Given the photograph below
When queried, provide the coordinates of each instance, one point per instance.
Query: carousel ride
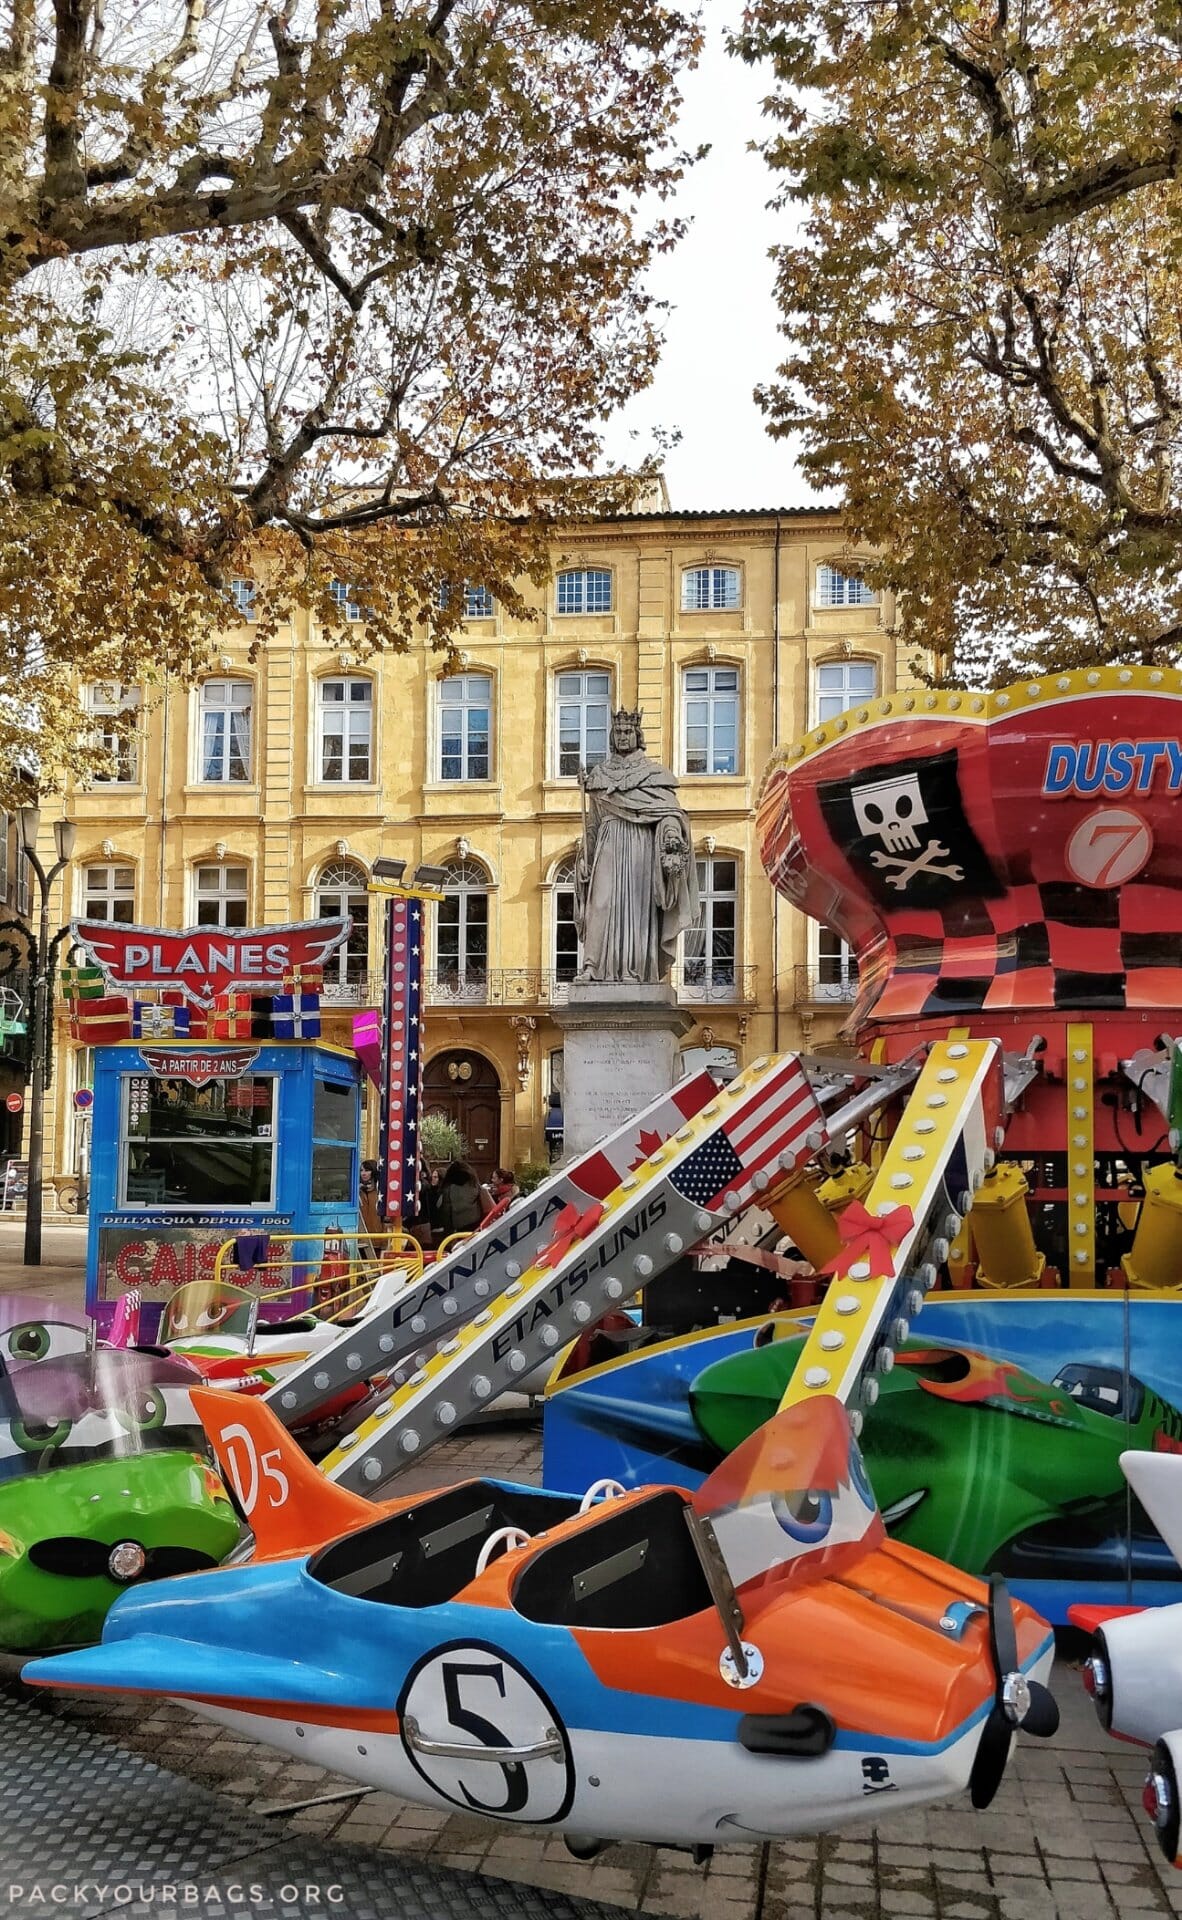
(995, 1147)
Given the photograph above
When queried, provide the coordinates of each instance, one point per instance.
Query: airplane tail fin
(289, 1505)
(125, 1322)
(792, 1503)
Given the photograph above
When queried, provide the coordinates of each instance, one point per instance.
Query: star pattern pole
(402, 1059)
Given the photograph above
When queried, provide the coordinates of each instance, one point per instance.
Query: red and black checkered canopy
(993, 853)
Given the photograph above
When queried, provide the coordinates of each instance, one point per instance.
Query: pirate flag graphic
(903, 829)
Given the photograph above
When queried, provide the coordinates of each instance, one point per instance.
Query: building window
(837, 970)
(568, 948)
(346, 730)
(584, 718)
(226, 707)
(461, 926)
(108, 893)
(842, 684)
(585, 590)
(836, 589)
(24, 884)
(221, 896)
(5, 825)
(710, 589)
(711, 699)
(708, 961)
(478, 601)
(465, 721)
(344, 592)
(114, 712)
(340, 890)
(242, 594)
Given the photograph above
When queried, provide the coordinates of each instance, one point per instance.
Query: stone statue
(636, 880)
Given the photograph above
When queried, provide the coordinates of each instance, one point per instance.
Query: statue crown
(631, 717)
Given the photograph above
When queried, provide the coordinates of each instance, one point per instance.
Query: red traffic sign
(83, 1099)
(14, 1102)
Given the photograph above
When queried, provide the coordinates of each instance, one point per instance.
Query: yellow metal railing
(295, 1261)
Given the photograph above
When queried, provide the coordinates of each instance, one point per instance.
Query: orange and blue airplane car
(748, 1661)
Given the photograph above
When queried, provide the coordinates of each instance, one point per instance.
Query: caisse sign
(207, 961)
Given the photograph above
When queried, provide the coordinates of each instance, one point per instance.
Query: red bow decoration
(870, 1236)
(571, 1225)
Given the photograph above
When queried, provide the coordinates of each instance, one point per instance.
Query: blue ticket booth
(195, 1144)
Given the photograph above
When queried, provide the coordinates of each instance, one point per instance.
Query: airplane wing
(1156, 1479)
(158, 1663)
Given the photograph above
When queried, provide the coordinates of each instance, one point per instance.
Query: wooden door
(465, 1089)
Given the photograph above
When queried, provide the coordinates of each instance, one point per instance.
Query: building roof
(824, 507)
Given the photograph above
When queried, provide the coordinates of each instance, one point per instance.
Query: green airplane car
(105, 1482)
(1017, 1492)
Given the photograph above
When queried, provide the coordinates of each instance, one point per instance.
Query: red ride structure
(1009, 865)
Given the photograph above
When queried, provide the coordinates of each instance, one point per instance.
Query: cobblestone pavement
(1064, 1840)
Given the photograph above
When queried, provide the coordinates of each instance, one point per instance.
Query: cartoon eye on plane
(33, 1329)
(758, 1647)
(104, 1482)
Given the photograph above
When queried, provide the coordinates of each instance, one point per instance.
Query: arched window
(711, 590)
(836, 589)
(842, 684)
(708, 961)
(567, 947)
(584, 590)
(461, 929)
(340, 890)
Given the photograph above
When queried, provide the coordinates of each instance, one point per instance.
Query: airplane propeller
(1019, 1702)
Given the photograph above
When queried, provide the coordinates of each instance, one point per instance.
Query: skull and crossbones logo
(890, 811)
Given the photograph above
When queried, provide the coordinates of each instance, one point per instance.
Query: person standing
(463, 1200)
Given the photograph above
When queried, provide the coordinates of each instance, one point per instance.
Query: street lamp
(63, 840)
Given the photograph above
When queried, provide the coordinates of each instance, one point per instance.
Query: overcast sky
(721, 337)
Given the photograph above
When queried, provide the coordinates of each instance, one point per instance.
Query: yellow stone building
(265, 792)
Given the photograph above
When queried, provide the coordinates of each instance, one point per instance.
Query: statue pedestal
(619, 1052)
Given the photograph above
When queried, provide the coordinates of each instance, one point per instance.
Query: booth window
(334, 1139)
(190, 1146)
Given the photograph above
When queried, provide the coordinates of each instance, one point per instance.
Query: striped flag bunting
(773, 1120)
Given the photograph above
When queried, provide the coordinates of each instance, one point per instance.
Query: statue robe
(629, 910)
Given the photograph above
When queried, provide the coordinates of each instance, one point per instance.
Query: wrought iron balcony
(718, 983)
(826, 986)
